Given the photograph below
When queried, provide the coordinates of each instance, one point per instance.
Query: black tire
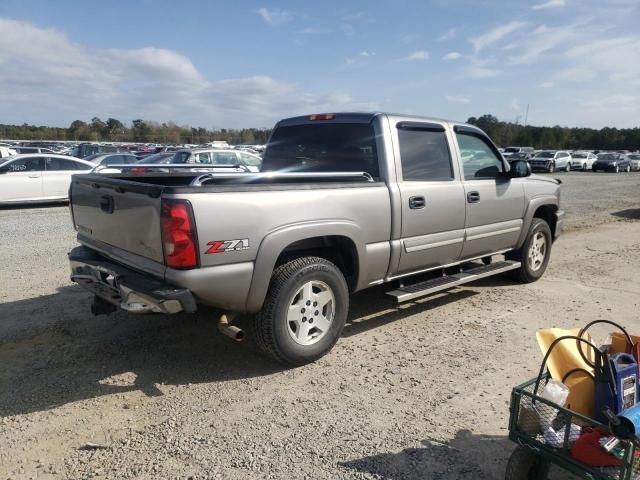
(526, 273)
(584, 167)
(523, 464)
(552, 167)
(270, 324)
(568, 167)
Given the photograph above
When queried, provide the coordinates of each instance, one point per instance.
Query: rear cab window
(424, 152)
(323, 147)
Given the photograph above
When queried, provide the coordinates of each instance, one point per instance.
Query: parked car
(83, 150)
(26, 150)
(634, 161)
(106, 159)
(510, 151)
(216, 156)
(162, 157)
(582, 160)
(344, 202)
(38, 178)
(7, 152)
(550, 161)
(612, 162)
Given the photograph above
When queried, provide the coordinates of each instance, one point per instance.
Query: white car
(582, 160)
(213, 156)
(7, 152)
(36, 177)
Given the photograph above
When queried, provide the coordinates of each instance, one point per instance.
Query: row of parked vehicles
(36, 174)
(558, 160)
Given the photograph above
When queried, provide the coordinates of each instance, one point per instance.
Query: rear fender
(278, 240)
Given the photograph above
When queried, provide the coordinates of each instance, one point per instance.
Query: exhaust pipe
(229, 330)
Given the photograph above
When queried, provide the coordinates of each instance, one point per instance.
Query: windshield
(634, 157)
(607, 156)
(157, 158)
(545, 154)
(579, 155)
(322, 147)
(92, 157)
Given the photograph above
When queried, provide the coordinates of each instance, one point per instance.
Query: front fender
(274, 243)
(532, 206)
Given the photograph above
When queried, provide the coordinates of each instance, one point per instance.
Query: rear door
(57, 176)
(432, 197)
(23, 181)
(494, 203)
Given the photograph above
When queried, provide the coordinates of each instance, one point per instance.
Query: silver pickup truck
(343, 202)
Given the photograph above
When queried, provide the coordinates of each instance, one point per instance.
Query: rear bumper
(125, 288)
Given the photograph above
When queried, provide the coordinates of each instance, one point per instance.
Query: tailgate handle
(106, 203)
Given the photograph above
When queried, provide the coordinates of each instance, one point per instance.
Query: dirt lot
(416, 392)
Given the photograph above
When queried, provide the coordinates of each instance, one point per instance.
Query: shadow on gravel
(65, 354)
(629, 213)
(466, 456)
(53, 351)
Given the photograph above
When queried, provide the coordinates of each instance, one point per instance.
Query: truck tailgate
(122, 214)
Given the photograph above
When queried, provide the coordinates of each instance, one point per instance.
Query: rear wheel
(534, 254)
(304, 312)
(525, 465)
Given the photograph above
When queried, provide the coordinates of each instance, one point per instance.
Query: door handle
(34, 176)
(473, 197)
(417, 203)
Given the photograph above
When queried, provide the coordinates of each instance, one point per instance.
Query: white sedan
(38, 177)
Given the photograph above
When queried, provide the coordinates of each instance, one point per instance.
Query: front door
(432, 198)
(23, 180)
(494, 203)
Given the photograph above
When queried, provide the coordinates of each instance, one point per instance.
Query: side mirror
(519, 169)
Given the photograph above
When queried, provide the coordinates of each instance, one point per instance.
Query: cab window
(33, 164)
(479, 160)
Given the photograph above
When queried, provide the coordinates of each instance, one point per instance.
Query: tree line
(144, 131)
(139, 131)
(607, 138)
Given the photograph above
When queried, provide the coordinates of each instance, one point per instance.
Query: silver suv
(550, 161)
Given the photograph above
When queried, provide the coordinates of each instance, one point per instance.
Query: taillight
(179, 234)
(323, 116)
(138, 170)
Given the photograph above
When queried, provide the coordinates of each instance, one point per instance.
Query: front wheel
(305, 311)
(628, 168)
(525, 465)
(617, 168)
(534, 254)
(552, 167)
(584, 167)
(568, 167)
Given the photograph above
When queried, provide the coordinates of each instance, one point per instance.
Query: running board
(439, 284)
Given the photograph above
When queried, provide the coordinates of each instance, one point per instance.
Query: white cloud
(449, 35)
(515, 105)
(366, 53)
(314, 31)
(457, 99)
(452, 56)
(546, 85)
(419, 55)
(275, 16)
(360, 18)
(549, 4)
(492, 36)
(46, 78)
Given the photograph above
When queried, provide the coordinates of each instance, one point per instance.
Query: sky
(220, 64)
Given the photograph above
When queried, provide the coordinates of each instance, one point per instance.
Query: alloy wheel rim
(537, 251)
(311, 312)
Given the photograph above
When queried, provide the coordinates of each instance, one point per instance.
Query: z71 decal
(224, 246)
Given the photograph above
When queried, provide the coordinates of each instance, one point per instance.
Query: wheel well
(337, 249)
(548, 214)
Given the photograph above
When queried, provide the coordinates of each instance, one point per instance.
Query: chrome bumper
(125, 288)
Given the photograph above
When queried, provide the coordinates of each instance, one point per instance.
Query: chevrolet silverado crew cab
(343, 202)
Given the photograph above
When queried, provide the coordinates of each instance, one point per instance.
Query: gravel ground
(419, 391)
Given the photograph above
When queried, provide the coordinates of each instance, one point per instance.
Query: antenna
(526, 116)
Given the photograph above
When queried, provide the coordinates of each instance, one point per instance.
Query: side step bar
(417, 290)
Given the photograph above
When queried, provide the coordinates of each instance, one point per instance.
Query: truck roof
(357, 117)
